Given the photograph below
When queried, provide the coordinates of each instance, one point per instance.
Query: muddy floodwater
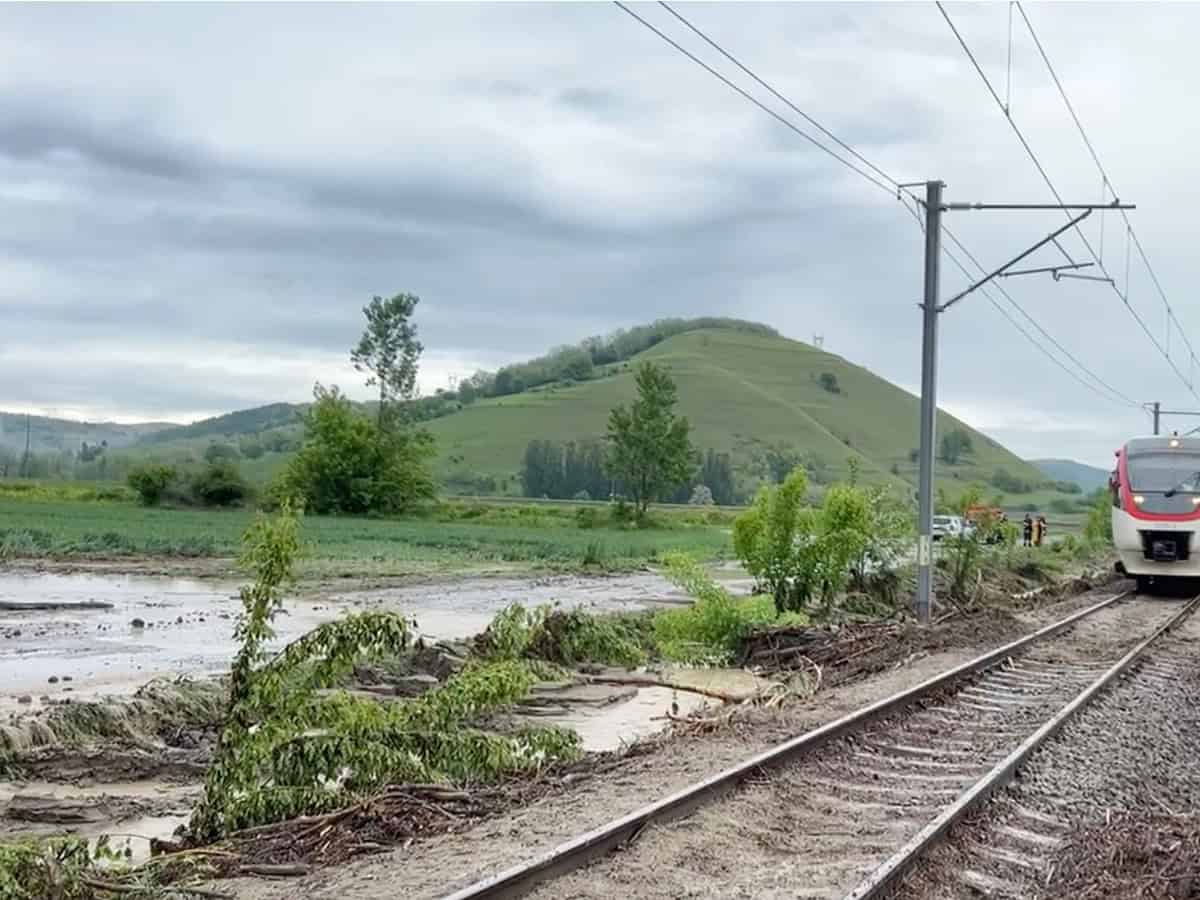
(115, 632)
(83, 636)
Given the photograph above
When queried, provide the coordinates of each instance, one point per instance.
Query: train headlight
(1173, 442)
(1139, 499)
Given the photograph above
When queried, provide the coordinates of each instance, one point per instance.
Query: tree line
(573, 470)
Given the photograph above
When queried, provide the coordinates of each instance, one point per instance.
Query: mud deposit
(99, 636)
(156, 626)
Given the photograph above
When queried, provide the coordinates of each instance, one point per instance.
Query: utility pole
(25, 467)
(1158, 412)
(930, 309)
(929, 324)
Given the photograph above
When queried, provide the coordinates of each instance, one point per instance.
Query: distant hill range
(749, 392)
(1087, 477)
(48, 435)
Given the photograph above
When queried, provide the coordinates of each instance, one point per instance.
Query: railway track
(895, 774)
(1133, 751)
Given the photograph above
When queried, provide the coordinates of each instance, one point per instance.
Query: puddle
(172, 803)
(608, 727)
(188, 623)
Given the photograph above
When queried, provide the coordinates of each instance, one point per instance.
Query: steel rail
(578, 851)
(883, 879)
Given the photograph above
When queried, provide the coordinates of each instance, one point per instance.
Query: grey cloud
(536, 173)
(41, 133)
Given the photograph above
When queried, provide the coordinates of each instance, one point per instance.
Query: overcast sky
(198, 200)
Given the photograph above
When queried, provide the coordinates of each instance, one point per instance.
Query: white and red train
(1156, 509)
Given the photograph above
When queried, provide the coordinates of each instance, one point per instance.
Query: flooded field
(111, 633)
(101, 634)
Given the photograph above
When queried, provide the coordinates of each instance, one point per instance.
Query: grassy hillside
(742, 393)
(747, 391)
(1087, 477)
(244, 421)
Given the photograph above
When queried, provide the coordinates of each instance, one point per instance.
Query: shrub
(349, 465)
(712, 628)
(701, 496)
(1097, 532)
(829, 382)
(563, 637)
(251, 448)
(219, 484)
(151, 482)
(587, 517)
(798, 552)
(1003, 480)
(220, 452)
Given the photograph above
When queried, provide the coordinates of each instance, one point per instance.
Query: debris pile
(1133, 856)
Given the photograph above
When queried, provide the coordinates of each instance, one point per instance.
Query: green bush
(711, 629)
(1097, 532)
(349, 464)
(799, 552)
(151, 482)
(562, 637)
(219, 484)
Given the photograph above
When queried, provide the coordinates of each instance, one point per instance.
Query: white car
(951, 526)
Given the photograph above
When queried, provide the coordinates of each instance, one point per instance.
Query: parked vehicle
(951, 526)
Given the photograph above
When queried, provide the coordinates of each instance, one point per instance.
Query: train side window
(1114, 488)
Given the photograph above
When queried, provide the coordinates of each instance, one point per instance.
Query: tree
(219, 484)
(251, 447)
(717, 474)
(388, 351)
(348, 465)
(649, 447)
(829, 382)
(215, 453)
(151, 481)
(701, 496)
(954, 446)
(800, 552)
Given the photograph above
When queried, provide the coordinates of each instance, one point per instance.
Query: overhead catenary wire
(1099, 388)
(1106, 182)
(1104, 390)
(748, 96)
(1053, 190)
(778, 96)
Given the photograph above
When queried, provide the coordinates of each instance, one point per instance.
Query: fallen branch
(282, 871)
(647, 681)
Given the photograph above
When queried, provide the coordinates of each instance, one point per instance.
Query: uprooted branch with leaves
(292, 747)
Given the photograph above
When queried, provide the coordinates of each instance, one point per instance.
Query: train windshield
(1161, 472)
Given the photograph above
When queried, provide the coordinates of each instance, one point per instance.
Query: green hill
(244, 421)
(1087, 477)
(743, 393)
(765, 400)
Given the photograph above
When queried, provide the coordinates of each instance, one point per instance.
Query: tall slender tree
(649, 447)
(388, 352)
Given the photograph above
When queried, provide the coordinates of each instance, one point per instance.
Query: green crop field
(453, 536)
